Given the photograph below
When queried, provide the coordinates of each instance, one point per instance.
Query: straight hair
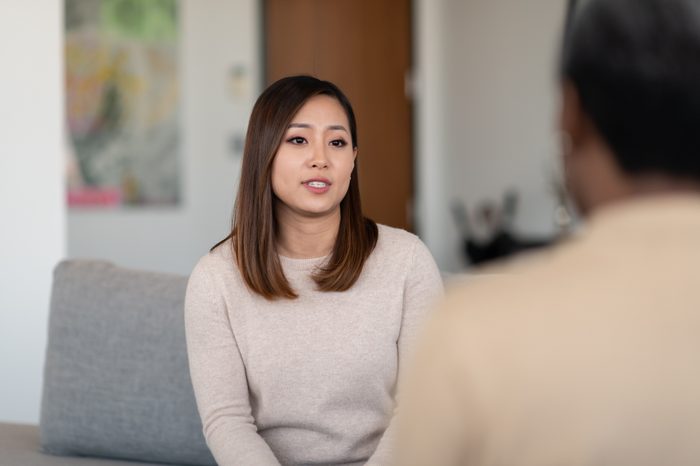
(254, 227)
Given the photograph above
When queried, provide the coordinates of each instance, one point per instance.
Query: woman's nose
(318, 157)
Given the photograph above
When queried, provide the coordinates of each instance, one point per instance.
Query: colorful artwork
(122, 102)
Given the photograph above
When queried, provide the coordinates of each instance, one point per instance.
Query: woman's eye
(296, 140)
(338, 143)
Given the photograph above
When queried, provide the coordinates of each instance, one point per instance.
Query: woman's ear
(354, 154)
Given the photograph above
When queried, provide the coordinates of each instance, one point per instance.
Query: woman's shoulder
(217, 257)
(397, 238)
(218, 262)
(400, 253)
(397, 242)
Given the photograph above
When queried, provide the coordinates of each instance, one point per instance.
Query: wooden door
(363, 46)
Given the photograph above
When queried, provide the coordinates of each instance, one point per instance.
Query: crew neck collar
(302, 264)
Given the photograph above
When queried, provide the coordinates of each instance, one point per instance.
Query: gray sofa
(116, 383)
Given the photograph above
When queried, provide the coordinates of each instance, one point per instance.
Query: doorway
(363, 46)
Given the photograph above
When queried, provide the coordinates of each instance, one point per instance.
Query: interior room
(479, 87)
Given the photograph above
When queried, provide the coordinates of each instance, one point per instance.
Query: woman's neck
(301, 237)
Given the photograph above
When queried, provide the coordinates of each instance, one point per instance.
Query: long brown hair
(253, 237)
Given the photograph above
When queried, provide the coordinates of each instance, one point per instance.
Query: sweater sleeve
(219, 379)
(423, 288)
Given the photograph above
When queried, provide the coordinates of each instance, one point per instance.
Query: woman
(299, 322)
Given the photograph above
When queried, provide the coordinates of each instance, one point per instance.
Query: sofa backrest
(116, 380)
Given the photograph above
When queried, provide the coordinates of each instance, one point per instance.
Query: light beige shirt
(585, 355)
(311, 380)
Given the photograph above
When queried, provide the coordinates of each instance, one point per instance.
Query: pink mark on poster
(87, 197)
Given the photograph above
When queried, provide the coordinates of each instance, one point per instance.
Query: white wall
(486, 118)
(32, 236)
(217, 35)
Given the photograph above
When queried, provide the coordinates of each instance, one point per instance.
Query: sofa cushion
(116, 380)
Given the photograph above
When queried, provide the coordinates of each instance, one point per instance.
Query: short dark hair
(636, 67)
(254, 226)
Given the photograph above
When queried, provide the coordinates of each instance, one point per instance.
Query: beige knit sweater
(312, 380)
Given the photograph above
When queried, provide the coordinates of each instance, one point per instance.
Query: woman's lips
(317, 186)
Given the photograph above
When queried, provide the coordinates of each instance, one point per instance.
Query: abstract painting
(122, 102)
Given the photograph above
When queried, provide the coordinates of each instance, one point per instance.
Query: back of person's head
(635, 65)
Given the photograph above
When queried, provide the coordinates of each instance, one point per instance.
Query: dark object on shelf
(502, 242)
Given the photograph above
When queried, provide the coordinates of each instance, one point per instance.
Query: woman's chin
(320, 212)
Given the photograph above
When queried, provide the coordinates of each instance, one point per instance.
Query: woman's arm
(219, 379)
(422, 290)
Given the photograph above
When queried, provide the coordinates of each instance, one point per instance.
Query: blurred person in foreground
(588, 353)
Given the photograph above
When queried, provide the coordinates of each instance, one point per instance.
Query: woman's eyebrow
(306, 125)
(339, 127)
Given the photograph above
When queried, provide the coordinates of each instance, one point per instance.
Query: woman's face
(311, 169)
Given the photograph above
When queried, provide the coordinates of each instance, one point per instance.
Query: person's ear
(572, 122)
(354, 154)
